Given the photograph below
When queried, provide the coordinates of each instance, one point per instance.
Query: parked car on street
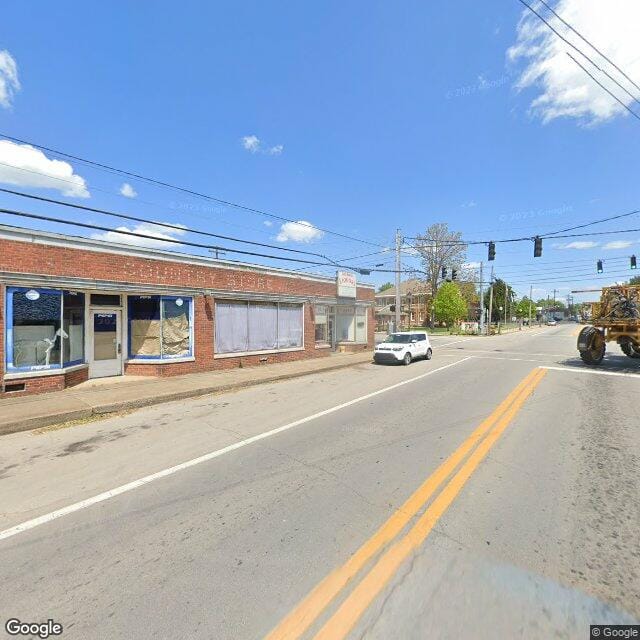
(551, 323)
(404, 346)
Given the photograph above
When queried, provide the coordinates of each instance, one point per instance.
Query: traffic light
(444, 273)
(454, 274)
(492, 251)
(537, 247)
(600, 269)
(634, 265)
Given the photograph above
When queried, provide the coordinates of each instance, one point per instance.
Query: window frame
(246, 304)
(9, 327)
(162, 356)
(360, 312)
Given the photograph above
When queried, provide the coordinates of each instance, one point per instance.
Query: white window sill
(323, 345)
(159, 361)
(255, 353)
(21, 375)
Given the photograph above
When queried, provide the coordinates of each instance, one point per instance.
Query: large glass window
(73, 327)
(242, 327)
(263, 326)
(346, 322)
(289, 326)
(176, 327)
(159, 327)
(361, 324)
(45, 328)
(321, 321)
(351, 324)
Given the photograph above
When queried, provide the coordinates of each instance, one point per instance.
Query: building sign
(346, 284)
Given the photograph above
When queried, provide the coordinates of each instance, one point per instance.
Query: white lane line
(101, 497)
(446, 344)
(501, 352)
(509, 359)
(598, 373)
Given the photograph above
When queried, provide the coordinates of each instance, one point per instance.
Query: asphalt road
(480, 494)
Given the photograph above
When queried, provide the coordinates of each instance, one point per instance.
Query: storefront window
(176, 327)
(45, 328)
(289, 326)
(73, 327)
(346, 322)
(351, 324)
(159, 327)
(361, 324)
(322, 326)
(263, 326)
(242, 327)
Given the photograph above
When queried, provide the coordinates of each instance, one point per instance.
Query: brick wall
(39, 259)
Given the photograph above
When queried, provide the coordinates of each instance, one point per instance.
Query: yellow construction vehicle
(615, 318)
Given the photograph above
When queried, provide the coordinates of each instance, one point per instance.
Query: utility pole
(481, 331)
(506, 301)
(490, 302)
(530, 302)
(398, 297)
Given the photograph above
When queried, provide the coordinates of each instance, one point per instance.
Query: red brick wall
(24, 257)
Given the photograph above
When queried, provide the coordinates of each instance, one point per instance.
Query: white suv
(404, 347)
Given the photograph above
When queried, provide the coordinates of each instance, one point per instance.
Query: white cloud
(618, 244)
(146, 228)
(300, 231)
(128, 191)
(471, 265)
(9, 82)
(268, 223)
(253, 144)
(578, 244)
(469, 205)
(565, 89)
(25, 166)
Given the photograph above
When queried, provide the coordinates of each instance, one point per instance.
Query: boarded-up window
(159, 327)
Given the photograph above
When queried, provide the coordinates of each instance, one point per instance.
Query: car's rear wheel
(407, 359)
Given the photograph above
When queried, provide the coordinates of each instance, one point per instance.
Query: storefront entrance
(105, 358)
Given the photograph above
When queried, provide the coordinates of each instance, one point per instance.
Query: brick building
(75, 308)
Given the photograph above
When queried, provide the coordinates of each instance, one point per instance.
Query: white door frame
(104, 368)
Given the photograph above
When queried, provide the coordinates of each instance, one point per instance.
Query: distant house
(414, 309)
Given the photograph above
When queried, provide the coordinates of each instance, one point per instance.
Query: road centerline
(307, 611)
(357, 602)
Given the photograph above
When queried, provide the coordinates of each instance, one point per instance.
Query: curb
(38, 422)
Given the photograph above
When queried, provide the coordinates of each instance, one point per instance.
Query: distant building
(415, 296)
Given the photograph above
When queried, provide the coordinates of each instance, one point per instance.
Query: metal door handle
(119, 348)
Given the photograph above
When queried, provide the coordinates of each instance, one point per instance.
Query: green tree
(635, 280)
(522, 308)
(385, 286)
(449, 306)
(503, 295)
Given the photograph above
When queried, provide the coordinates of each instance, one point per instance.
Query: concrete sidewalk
(97, 397)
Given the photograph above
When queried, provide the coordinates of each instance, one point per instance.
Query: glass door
(106, 354)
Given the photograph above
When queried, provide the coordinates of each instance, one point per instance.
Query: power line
(84, 225)
(191, 192)
(166, 225)
(611, 62)
(633, 113)
(584, 55)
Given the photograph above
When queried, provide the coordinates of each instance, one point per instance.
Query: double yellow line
(363, 594)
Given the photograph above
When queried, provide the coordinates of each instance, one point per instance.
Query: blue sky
(356, 117)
